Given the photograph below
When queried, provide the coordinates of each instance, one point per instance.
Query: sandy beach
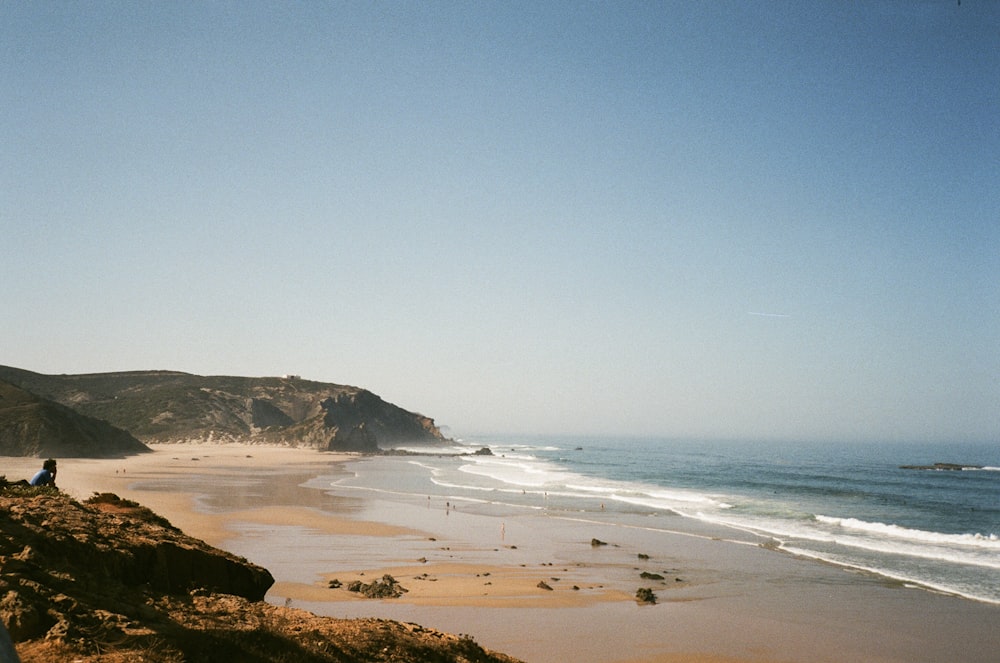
(481, 575)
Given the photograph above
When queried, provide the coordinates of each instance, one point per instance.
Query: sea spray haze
(849, 504)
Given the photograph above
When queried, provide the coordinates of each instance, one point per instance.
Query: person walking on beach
(45, 476)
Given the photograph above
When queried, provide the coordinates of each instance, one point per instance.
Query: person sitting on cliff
(45, 476)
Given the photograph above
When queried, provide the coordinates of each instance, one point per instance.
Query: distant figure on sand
(45, 476)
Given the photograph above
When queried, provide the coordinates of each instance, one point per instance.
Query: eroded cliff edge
(108, 580)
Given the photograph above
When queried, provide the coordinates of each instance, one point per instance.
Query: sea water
(846, 504)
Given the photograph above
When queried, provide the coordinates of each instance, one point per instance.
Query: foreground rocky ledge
(108, 580)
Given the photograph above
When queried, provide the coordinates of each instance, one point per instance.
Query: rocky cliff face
(34, 426)
(108, 581)
(164, 406)
(63, 560)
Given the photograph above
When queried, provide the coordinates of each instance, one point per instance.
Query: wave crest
(991, 541)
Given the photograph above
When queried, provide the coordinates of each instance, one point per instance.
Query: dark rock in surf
(949, 467)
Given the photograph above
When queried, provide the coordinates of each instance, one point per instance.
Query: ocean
(847, 504)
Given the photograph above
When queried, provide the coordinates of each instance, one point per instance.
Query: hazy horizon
(777, 220)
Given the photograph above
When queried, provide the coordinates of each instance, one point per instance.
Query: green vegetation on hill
(168, 406)
(34, 426)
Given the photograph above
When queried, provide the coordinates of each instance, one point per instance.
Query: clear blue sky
(720, 219)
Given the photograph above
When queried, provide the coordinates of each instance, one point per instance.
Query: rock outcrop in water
(950, 467)
(166, 406)
(108, 581)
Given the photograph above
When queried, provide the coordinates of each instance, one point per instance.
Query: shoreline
(479, 574)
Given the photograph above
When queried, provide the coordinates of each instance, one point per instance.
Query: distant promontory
(170, 406)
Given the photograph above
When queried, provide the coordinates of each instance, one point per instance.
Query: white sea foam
(599, 489)
(987, 541)
(518, 472)
(677, 502)
(516, 477)
(543, 477)
(529, 472)
(806, 534)
(461, 486)
(779, 529)
(642, 495)
(969, 593)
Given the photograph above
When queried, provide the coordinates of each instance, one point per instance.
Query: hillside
(109, 581)
(34, 426)
(167, 406)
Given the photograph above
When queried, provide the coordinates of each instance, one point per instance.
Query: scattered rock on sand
(544, 585)
(645, 595)
(385, 587)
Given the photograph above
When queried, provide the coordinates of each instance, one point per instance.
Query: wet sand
(718, 602)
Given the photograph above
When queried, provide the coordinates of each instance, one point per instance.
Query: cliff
(167, 406)
(109, 581)
(34, 426)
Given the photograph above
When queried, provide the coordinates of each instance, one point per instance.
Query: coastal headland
(58, 414)
(540, 588)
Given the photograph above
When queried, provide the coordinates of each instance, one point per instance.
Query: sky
(767, 220)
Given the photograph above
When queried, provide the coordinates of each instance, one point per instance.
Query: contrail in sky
(768, 315)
